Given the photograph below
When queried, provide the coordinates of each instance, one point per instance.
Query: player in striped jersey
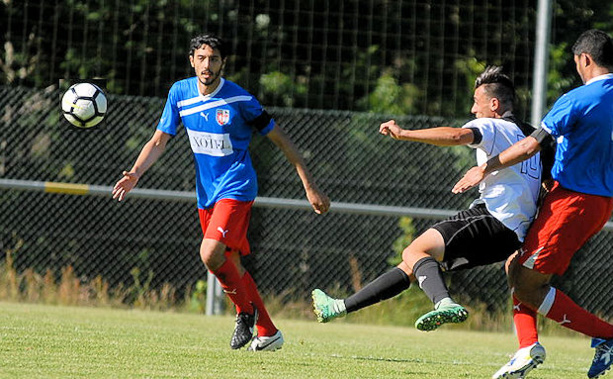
(220, 117)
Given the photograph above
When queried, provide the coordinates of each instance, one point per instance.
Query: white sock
(448, 302)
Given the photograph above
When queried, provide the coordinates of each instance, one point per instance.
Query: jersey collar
(599, 77)
(212, 94)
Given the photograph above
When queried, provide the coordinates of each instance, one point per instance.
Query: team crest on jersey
(223, 116)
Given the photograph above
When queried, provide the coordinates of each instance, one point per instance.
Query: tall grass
(68, 289)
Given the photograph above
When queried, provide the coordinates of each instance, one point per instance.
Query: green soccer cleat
(327, 308)
(445, 314)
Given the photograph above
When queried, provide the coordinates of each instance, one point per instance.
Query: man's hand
(124, 185)
(391, 129)
(319, 201)
(471, 179)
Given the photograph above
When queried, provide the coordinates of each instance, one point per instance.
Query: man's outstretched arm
(518, 152)
(441, 136)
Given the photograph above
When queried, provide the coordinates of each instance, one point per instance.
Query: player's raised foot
(243, 329)
(444, 314)
(603, 358)
(525, 360)
(264, 343)
(327, 308)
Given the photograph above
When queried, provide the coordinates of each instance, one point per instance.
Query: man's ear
(494, 104)
(588, 59)
(191, 60)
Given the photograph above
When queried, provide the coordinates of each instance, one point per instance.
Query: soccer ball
(84, 105)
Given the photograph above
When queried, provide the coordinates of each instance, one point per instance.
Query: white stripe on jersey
(193, 100)
(212, 104)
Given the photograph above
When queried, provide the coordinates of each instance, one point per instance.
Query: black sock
(430, 278)
(385, 286)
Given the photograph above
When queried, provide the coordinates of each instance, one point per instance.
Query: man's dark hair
(598, 45)
(207, 39)
(498, 85)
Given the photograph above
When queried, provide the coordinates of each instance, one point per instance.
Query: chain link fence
(156, 241)
(291, 53)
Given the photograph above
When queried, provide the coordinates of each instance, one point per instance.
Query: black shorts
(474, 237)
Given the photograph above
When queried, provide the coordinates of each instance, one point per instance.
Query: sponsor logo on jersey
(218, 145)
(223, 116)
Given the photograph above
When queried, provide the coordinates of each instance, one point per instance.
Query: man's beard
(211, 79)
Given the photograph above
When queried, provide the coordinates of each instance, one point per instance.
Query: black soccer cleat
(243, 330)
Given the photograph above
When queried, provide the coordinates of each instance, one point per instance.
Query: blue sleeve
(562, 117)
(170, 116)
(254, 115)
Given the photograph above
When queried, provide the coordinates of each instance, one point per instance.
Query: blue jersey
(219, 126)
(582, 122)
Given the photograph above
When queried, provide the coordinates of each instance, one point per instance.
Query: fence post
(214, 296)
(541, 60)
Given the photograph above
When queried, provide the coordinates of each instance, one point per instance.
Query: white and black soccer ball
(84, 105)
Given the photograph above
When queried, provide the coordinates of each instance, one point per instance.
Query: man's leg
(422, 256)
(382, 288)
(428, 245)
(524, 317)
(268, 337)
(530, 353)
(533, 289)
(264, 323)
(212, 253)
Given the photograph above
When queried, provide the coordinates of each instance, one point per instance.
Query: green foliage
(557, 83)
(278, 84)
(408, 235)
(390, 97)
(198, 298)
(139, 47)
(469, 68)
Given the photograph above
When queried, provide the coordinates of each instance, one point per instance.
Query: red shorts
(565, 222)
(227, 222)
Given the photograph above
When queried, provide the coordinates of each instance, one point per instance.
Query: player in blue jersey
(220, 118)
(577, 207)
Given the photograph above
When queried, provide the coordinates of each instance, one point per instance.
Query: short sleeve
(256, 116)
(488, 133)
(561, 117)
(170, 116)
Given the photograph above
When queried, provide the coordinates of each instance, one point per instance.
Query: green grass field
(41, 341)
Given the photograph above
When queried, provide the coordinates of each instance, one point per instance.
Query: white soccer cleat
(263, 343)
(522, 362)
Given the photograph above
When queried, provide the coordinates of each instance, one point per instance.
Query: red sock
(567, 313)
(524, 319)
(233, 286)
(264, 324)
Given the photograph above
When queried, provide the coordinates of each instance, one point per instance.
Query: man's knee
(528, 286)
(212, 253)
